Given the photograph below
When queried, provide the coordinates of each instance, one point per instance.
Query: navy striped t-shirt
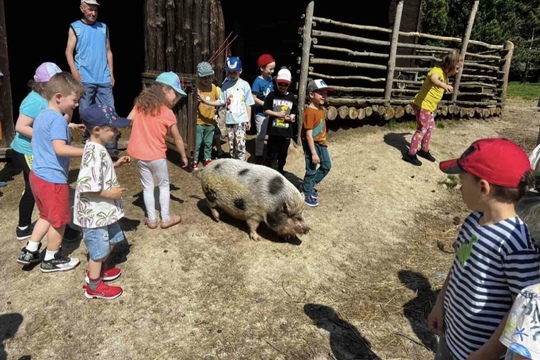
(492, 263)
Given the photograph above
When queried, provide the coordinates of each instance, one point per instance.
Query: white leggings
(159, 169)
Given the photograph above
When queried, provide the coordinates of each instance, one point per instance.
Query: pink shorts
(52, 201)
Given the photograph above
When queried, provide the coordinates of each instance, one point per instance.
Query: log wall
(367, 72)
(178, 35)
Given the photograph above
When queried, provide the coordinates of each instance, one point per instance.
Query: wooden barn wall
(7, 131)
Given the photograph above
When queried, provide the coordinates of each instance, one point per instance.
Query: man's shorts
(99, 240)
(52, 201)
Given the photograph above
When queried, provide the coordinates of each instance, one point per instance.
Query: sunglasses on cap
(282, 84)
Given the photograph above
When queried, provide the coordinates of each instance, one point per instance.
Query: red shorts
(52, 201)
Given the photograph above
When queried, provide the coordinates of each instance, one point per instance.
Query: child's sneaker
(315, 194)
(103, 291)
(207, 161)
(59, 263)
(26, 233)
(195, 166)
(311, 201)
(27, 257)
(107, 274)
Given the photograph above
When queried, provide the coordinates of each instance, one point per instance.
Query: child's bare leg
(54, 237)
(40, 229)
(94, 268)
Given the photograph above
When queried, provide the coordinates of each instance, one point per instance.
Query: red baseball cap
(265, 59)
(499, 161)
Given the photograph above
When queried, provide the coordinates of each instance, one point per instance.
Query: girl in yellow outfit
(425, 105)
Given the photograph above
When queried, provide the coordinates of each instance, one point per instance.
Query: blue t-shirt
(32, 104)
(50, 125)
(91, 52)
(236, 96)
(261, 88)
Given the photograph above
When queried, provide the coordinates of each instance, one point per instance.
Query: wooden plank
(7, 129)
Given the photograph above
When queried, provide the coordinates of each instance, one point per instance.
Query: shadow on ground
(417, 310)
(346, 341)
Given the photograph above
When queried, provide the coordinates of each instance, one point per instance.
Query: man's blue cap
(102, 115)
(233, 64)
(171, 79)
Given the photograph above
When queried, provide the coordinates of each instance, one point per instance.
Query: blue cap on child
(103, 115)
(233, 64)
(171, 79)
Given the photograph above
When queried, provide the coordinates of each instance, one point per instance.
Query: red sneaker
(207, 161)
(195, 166)
(107, 274)
(103, 291)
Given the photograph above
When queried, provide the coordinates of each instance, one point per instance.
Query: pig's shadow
(264, 231)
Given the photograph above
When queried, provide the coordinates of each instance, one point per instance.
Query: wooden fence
(374, 74)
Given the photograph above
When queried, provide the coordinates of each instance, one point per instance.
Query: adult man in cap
(90, 58)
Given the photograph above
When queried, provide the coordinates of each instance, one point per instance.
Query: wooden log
(353, 113)
(408, 109)
(452, 109)
(393, 51)
(463, 112)
(486, 113)
(160, 35)
(346, 64)
(343, 112)
(304, 65)
(361, 114)
(345, 77)
(381, 110)
(368, 110)
(170, 49)
(332, 113)
(350, 52)
(179, 38)
(444, 109)
(188, 32)
(389, 113)
(509, 46)
(399, 112)
(150, 35)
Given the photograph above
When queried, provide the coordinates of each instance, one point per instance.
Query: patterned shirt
(95, 175)
(522, 331)
(492, 264)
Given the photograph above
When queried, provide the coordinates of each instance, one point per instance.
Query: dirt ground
(358, 286)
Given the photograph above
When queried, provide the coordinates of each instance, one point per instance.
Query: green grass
(527, 91)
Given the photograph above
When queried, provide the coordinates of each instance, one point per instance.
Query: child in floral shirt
(98, 200)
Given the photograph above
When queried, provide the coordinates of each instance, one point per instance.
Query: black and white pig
(254, 193)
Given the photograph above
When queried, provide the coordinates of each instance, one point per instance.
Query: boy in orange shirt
(318, 162)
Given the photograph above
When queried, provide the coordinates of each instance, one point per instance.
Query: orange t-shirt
(315, 119)
(149, 133)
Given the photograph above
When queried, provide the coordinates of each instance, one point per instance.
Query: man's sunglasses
(282, 84)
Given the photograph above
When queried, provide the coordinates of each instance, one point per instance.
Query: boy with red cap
(262, 86)
(495, 255)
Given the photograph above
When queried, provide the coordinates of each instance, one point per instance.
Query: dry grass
(359, 286)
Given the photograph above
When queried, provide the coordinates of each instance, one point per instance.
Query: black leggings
(277, 146)
(27, 202)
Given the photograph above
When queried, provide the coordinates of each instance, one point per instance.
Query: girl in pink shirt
(152, 118)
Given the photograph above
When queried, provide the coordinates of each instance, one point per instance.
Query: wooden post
(7, 129)
(393, 51)
(304, 66)
(509, 47)
(464, 46)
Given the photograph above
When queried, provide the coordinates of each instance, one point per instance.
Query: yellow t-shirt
(206, 113)
(430, 95)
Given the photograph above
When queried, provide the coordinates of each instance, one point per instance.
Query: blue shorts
(99, 240)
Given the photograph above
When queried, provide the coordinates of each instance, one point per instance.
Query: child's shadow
(346, 341)
(398, 141)
(418, 309)
(9, 324)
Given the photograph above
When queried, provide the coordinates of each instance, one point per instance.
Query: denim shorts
(99, 240)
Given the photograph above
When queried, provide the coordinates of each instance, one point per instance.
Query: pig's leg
(213, 210)
(253, 225)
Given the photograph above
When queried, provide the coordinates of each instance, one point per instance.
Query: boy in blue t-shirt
(48, 178)
(495, 255)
